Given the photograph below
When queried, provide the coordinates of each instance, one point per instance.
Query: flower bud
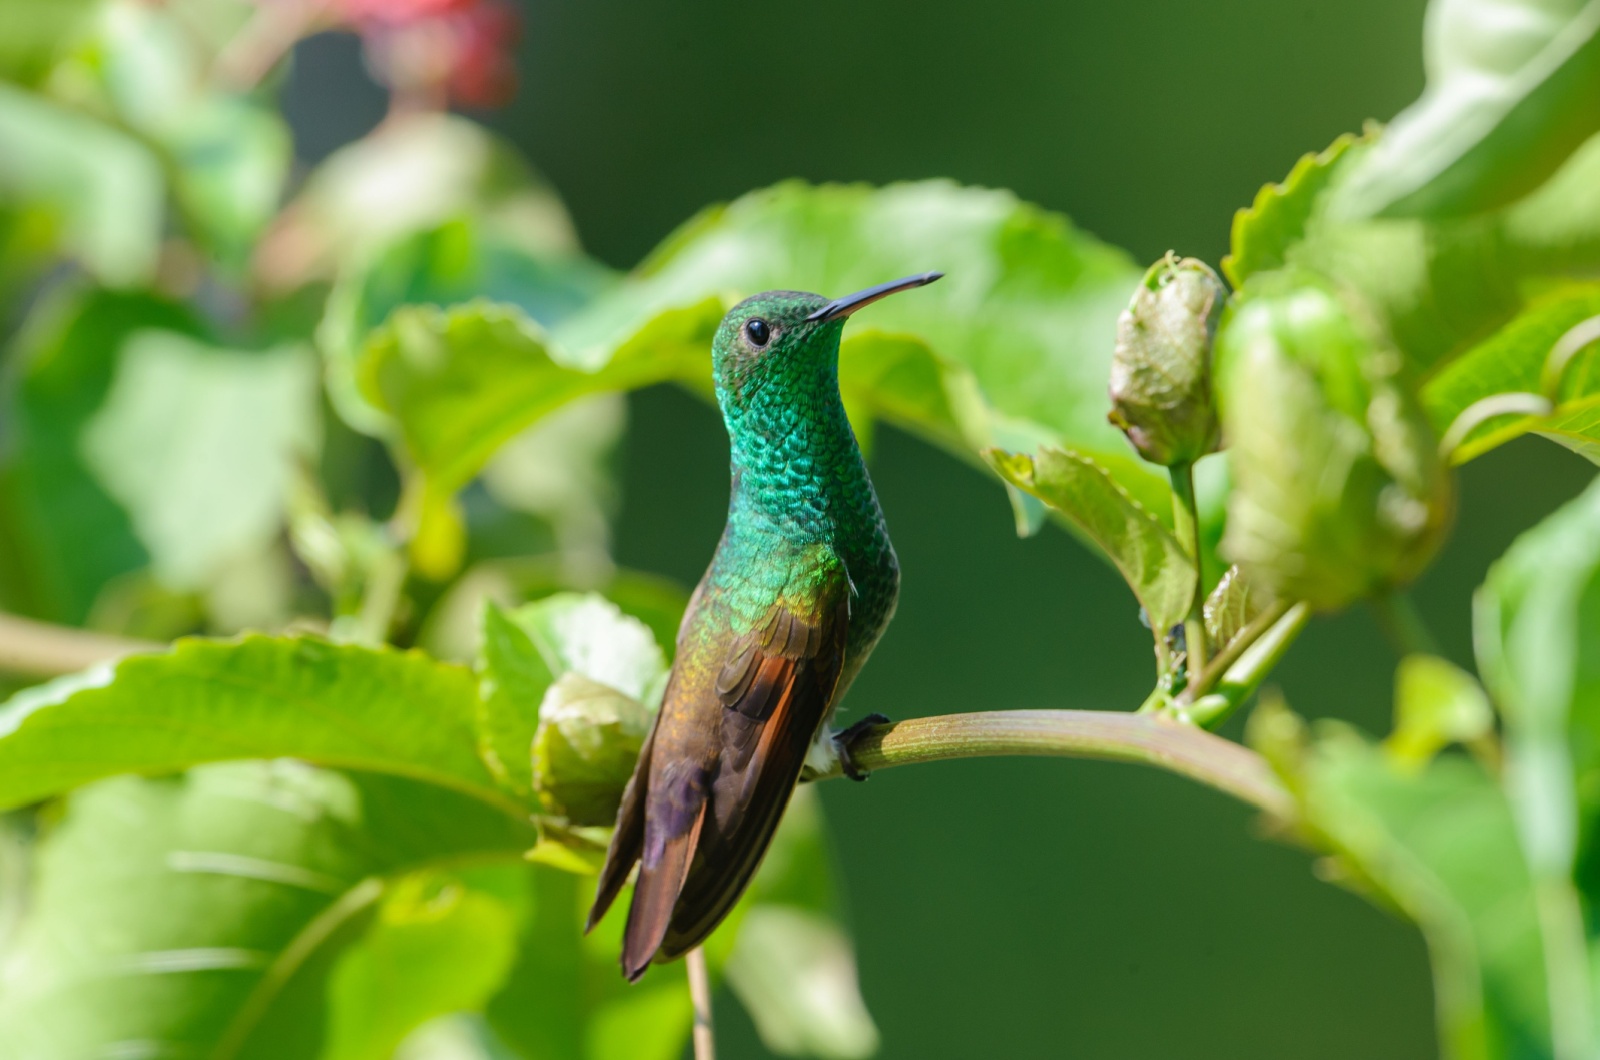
(584, 748)
(1338, 488)
(1161, 369)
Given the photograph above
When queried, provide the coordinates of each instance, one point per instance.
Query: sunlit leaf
(1513, 88)
(1513, 360)
(255, 697)
(512, 680)
(1141, 547)
(200, 445)
(199, 915)
(590, 635)
(1023, 320)
(1264, 231)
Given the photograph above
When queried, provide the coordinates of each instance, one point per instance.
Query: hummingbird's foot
(845, 738)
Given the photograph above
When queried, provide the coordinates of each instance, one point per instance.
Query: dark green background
(1015, 908)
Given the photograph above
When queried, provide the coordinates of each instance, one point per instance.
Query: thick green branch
(1108, 735)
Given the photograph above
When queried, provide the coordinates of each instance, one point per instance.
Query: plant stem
(1186, 524)
(705, 1042)
(1403, 626)
(1099, 734)
(1261, 654)
(40, 649)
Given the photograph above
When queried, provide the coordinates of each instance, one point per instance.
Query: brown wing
(776, 691)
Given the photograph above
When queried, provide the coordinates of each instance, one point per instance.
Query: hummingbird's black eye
(758, 332)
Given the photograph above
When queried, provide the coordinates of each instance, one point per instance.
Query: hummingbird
(802, 585)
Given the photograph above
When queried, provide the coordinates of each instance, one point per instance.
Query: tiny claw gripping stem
(845, 738)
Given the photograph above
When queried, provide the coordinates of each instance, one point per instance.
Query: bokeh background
(1013, 907)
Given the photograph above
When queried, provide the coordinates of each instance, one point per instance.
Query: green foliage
(1018, 334)
(1265, 231)
(202, 913)
(1144, 550)
(1513, 88)
(392, 712)
(1231, 607)
(1436, 704)
(1338, 489)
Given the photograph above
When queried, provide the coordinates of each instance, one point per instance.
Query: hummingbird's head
(775, 343)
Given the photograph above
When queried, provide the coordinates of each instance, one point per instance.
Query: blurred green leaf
(439, 943)
(460, 383)
(565, 996)
(1436, 704)
(35, 30)
(1535, 622)
(1441, 845)
(1338, 488)
(414, 174)
(1144, 550)
(200, 445)
(1513, 88)
(1231, 606)
(1264, 231)
(255, 697)
(199, 915)
(227, 155)
(1513, 360)
(64, 537)
(105, 189)
(1019, 333)
(792, 965)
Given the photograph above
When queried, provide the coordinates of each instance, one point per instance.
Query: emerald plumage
(801, 587)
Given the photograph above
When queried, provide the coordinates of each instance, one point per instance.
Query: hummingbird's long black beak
(840, 308)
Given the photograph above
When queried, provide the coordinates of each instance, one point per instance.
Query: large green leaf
(256, 697)
(1012, 347)
(1441, 845)
(460, 383)
(201, 444)
(1264, 231)
(1512, 361)
(1155, 566)
(198, 916)
(1513, 88)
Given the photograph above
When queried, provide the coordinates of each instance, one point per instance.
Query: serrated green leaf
(1513, 88)
(255, 697)
(439, 943)
(199, 915)
(1513, 360)
(1023, 322)
(1436, 704)
(1264, 231)
(1232, 606)
(200, 446)
(1142, 549)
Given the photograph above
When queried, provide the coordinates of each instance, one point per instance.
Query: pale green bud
(1161, 368)
(585, 747)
